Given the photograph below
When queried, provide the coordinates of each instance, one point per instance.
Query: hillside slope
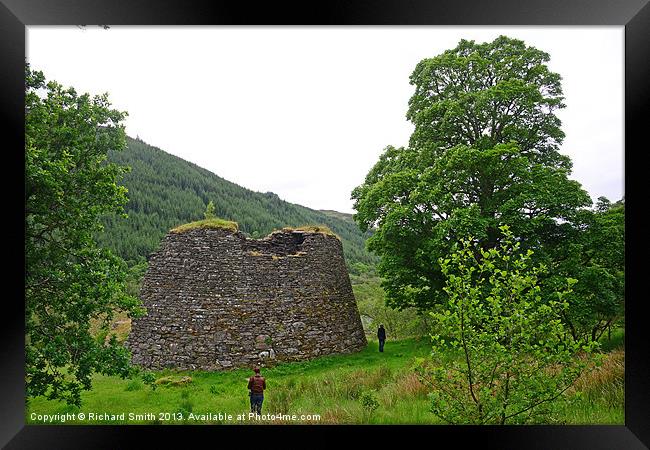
(339, 215)
(166, 191)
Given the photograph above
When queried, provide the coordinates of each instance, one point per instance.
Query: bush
(369, 401)
(149, 379)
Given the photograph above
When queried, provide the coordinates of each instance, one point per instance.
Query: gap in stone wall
(276, 244)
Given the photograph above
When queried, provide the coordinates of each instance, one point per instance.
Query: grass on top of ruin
(360, 388)
(214, 223)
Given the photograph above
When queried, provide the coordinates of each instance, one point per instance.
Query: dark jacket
(257, 384)
(381, 334)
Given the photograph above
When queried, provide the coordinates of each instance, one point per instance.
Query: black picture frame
(15, 15)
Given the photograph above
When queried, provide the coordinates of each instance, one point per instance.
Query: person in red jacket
(256, 386)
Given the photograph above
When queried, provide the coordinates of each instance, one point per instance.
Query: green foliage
(69, 280)
(134, 385)
(613, 339)
(371, 301)
(149, 378)
(596, 257)
(134, 278)
(369, 401)
(512, 363)
(209, 211)
(484, 151)
(166, 191)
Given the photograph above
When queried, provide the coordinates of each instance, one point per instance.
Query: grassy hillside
(365, 387)
(166, 191)
(330, 386)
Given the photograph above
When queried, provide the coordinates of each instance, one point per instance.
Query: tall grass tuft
(281, 399)
(134, 385)
(336, 414)
(404, 386)
(409, 386)
(359, 380)
(186, 405)
(605, 383)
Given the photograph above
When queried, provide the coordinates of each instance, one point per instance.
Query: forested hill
(166, 191)
(339, 215)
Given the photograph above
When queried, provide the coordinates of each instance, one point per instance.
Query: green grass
(360, 388)
(215, 223)
(328, 386)
(613, 341)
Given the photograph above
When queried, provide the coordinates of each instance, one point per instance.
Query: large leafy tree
(69, 280)
(484, 151)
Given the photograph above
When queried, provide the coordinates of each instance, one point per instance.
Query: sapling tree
(499, 357)
(209, 211)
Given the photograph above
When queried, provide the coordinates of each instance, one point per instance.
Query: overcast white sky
(306, 111)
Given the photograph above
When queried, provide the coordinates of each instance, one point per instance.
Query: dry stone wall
(218, 300)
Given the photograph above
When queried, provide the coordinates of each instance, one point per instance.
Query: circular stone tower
(216, 299)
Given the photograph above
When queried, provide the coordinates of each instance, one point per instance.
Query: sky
(305, 112)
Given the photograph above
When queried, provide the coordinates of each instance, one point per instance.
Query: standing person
(256, 386)
(381, 335)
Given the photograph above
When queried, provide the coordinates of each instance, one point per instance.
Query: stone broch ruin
(216, 300)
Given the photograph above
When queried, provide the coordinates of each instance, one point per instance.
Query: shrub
(369, 401)
(149, 379)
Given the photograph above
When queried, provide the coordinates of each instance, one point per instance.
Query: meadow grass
(367, 387)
